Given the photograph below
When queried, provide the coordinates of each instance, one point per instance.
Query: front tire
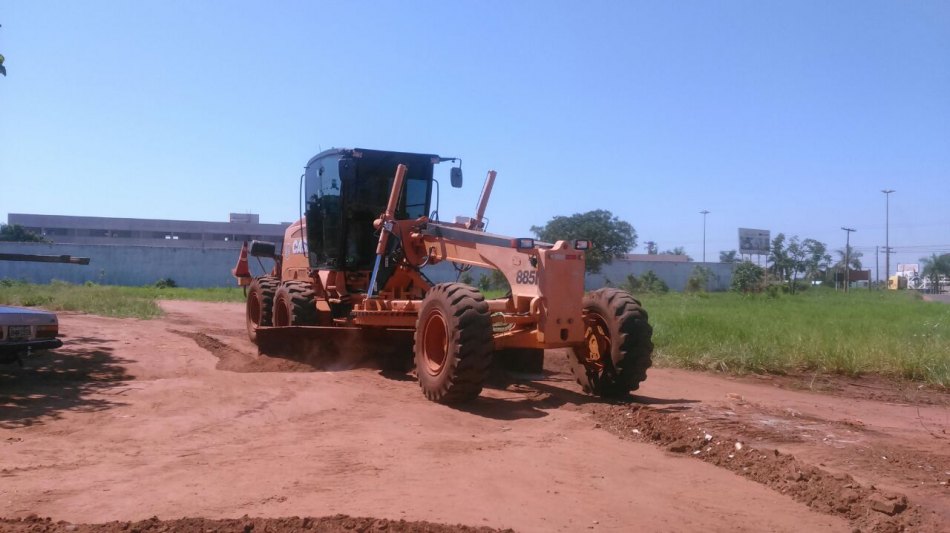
(618, 344)
(260, 304)
(453, 343)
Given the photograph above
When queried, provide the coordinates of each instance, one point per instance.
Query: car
(25, 330)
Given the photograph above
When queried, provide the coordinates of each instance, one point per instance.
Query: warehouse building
(62, 229)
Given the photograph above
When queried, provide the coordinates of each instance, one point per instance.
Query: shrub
(165, 283)
(747, 277)
(698, 279)
(650, 282)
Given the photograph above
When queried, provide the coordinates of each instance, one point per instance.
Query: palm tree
(852, 256)
(935, 267)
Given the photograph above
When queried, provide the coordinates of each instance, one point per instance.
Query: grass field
(107, 300)
(889, 333)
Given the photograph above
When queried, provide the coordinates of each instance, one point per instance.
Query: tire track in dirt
(326, 524)
(866, 507)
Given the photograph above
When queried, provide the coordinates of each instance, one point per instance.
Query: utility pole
(704, 213)
(887, 235)
(877, 264)
(847, 258)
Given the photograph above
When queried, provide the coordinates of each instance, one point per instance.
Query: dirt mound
(234, 360)
(330, 524)
(866, 507)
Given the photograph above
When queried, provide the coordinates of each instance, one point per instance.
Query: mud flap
(338, 348)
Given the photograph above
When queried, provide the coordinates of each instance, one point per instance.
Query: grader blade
(338, 348)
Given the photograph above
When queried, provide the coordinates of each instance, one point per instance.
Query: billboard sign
(753, 241)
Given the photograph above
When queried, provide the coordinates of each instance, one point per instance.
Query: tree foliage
(747, 277)
(699, 279)
(935, 267)
(728, 256)
(851, 255)
(679, 250)
(648, 282)
(17, 233)
(610, 237)
(791, 257)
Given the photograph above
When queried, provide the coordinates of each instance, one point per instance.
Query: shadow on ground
(51, 383)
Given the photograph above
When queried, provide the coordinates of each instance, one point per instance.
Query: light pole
(887, 236)
(704, 213)
(847, 258)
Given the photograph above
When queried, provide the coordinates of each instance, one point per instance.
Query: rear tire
(618, 344)
(453, 343)
(260, 304)
(294, 305)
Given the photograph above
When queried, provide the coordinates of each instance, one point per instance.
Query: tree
(935, 267)
(17, 233)
(730, 256)
(796, 254)
(651, 248)
(610, 237)
(699, 279)
(747, 277)
(817, 258)
(679, 250)
(778, 255)
(850, 255)
(3, 69)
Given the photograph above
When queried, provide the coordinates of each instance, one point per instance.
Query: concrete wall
(211, 267)
(675, 274)
(125, 265)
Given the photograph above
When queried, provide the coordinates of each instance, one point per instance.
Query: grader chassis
(327, 286)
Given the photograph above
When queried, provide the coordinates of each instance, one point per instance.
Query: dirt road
(178, 417)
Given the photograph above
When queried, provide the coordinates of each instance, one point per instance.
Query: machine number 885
(527, 277)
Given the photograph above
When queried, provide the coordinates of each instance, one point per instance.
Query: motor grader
(352, 269)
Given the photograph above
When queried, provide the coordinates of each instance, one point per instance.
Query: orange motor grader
(352, 269)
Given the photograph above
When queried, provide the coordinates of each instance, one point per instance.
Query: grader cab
(352, 271)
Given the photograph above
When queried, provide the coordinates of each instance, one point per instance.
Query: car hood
(23, 316)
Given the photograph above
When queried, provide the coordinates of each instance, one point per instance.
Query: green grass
(106, 300)
(888, 333)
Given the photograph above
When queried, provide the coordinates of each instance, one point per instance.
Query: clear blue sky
(787, 116)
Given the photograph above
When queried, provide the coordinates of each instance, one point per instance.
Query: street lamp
(887, 236)
(704, 213)
(847, 258)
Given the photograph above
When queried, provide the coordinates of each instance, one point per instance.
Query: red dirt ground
(180, 419)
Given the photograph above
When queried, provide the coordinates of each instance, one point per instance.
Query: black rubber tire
(523, 360)
(453, 343)
(294, 305)
(260, 304)
(628, 341)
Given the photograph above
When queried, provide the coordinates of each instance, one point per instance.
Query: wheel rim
(254, 309)
(435, 342)
(597, 340)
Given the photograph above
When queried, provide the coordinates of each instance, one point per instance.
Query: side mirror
(456, 177)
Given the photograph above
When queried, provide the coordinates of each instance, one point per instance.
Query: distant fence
(211, 267)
